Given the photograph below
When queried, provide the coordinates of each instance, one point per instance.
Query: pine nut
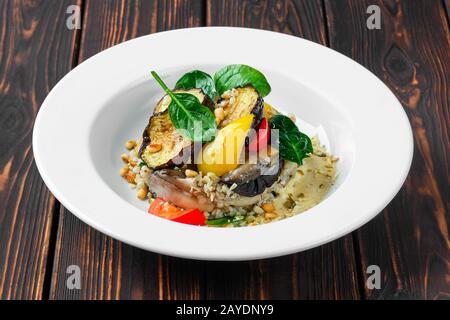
(142, 193)
(268, 207)
(258, 210)
(130, 144)
(123, 172)
(190, 173)
(293, 117)
(270, 215)
(131, 177)
(154, 147)
(124, 158)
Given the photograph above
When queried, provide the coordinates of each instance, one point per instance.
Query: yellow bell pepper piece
(223, 154)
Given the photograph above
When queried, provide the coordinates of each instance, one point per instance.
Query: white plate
(83, 123)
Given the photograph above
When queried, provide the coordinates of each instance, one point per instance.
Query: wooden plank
(447, 8)
(110, 269)
(410, 53)
(36, 51)
(327, 272)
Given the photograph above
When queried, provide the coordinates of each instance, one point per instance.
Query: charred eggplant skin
(258, 185)
(258, 112)
(145, 140)
(253, 179)
(186, 154)
(208, 102)
(160, 131)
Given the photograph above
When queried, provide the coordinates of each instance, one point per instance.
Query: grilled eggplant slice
(253, 178)
(160, 132)
(241, 102)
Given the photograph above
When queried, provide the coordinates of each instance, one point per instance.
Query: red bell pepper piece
(262, 137)
(166, 210)
(193, 216)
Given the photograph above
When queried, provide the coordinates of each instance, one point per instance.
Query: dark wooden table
(409, 240)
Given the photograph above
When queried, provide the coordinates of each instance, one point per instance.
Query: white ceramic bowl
(83, 123)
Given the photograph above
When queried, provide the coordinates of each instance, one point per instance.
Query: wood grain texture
(447, 8)
(110, 269)
(296, 17)
(327, 272)
(110, 22)
(36, 51)
(409, 240)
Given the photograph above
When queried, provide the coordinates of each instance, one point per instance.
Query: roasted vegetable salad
(215, 154)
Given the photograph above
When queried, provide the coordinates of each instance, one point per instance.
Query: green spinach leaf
(293, 145)
(239, 75)
(195, 119)
(188, 115)
(197, 79)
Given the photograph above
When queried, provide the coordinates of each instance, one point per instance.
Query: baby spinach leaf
(194, 118)
(188, 115)
(293, 145)
(197, 79)
(239, 75)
